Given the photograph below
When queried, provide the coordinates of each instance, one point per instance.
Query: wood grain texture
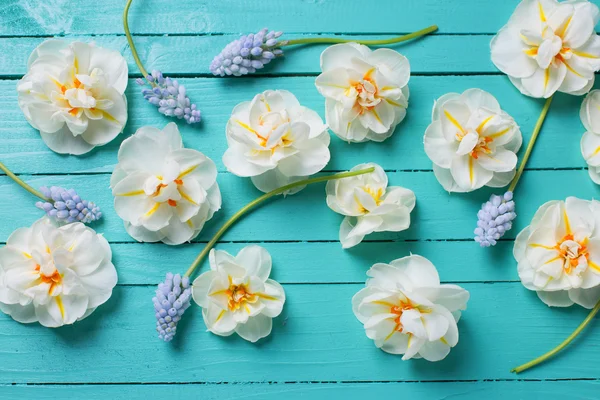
(30, 17)
(448, 54)
(316, 338)
(323, 262)
(437, 215)
(318, 349)
(23, 151)
(548, 390)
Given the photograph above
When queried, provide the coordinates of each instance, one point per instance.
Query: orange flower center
(53, 280)
(239, 296)
(571, 250)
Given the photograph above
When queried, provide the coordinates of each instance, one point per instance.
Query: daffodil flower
(590, 142)
(559, 253)
(549, 46)
(55, 275)
(406, 310)
(275, 141)
(163, 191)
(366, 91)
(369, 205)
(472, 142)
(74, 95)
(236, 295)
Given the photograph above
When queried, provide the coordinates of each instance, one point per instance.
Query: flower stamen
(239, 296)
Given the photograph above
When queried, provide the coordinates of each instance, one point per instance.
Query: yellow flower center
(367, 91)
(54, 279)
(238, 297)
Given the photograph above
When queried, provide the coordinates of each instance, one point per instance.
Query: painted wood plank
(51, 17)
(548, 390)
(558, 146)
(435, 54)
(305, 216)
(310, 262)
(317, 338)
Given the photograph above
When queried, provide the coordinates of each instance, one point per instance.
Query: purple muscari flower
(494, 219)
(172, 299)
(247, 54)
(67, 207)
(169, 97)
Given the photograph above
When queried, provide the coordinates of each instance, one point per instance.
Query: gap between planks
(325, 171)
(302, 382)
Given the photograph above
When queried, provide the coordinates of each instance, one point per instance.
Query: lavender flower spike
(67, 207)
(169, 97)
(247, 54)
(494, 219)
(172, 299)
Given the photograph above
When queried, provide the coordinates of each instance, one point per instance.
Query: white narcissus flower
(275, 141)
(369, 204)
(559, 253)
(163, 191)
(55, 275)
(472, 142)
(405, 310)
(366, 91)
(236, 295)
(590, 142)
(549, 46)
(73, 93)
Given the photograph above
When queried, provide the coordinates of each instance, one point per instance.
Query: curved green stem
(262, 198)
(22, 184)
(536, 131)
(134, 52)
(561, 346)
(394, 40)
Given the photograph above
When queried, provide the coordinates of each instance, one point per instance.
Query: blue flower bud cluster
(247, 54)
(494, 219)
(170, 97)
(67, 207)
(172, 298)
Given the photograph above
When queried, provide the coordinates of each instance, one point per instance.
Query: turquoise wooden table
(317, 349)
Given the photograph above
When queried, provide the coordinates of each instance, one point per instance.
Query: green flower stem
(134, 52)
(23, 184)
(261, 199)
(561, 346)
(536, 131)
(394, 40)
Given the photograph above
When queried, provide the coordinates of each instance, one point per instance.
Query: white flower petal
(257, 261)
(586, 298)
(340, 55)
(438, 148)
(454, 116)
(477, 98)
(468, 173)
(393, 65)
(590, 117)
(63, 142)
(508, 55)
(501, 160)
(559, 298)
(419, 270)
(255, 329)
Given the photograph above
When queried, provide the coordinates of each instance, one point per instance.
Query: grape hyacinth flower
(248, 53)
(166, 94)
(169, 97)
(172, 299)
(494, 219)
(65, 206)
(252, 52)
